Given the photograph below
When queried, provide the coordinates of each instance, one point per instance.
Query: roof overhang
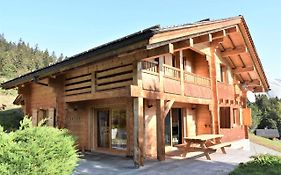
(234, 41)
(128, 43)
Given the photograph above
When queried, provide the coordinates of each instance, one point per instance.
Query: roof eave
(88, 56)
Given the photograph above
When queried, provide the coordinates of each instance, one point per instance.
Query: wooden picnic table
(207, 143)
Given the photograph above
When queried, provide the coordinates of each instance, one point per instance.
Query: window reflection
(118, 129)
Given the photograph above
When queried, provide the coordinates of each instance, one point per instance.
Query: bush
(260, 165)
(37, 150)
(10, 119)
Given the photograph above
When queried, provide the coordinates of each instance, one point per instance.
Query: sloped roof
(89, 55)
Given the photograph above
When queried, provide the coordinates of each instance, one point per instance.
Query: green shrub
(37, 150)
(260, 165)
(10, 119)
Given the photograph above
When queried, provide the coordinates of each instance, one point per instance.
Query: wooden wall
(233, 134)
(42, 97)
(76, 121)
(190, 121)
(80, 121)
(37, 96)
(201, 66)
(204, 119)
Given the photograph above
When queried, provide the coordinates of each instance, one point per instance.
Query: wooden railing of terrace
(197, 86)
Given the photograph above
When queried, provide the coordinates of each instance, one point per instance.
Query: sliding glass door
(103, 128)
(112, 129)
(118, 129)
(173, 129)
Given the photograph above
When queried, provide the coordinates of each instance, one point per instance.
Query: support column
(57, 84)
(213, 78)
(181, 73)
(160, 129)
(161, 74)
(138, 132)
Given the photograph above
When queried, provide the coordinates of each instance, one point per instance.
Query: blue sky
(70, 27)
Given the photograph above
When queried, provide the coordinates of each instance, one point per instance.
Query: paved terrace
(219, 165)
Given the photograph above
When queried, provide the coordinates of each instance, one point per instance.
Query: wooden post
(181, 73)
(160, 130)
(93, 77)
(213, 78)
(138, 132)
(51, 117)
(161, 74)
(34, 117)
(231, 115)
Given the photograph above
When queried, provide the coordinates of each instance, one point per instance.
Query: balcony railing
(174, 73)
(171, 72)
(150, 66)
(191, 84)
(196, 79)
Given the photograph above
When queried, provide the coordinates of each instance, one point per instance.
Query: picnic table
(208, 143)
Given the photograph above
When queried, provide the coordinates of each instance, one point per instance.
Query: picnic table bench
(208, 143)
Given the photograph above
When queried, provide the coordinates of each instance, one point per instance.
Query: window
(236, 116)
(225, 117)
(223, 75)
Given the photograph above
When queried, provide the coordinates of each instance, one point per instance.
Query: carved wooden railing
(150, 66)
(171, 72)
(197, 79)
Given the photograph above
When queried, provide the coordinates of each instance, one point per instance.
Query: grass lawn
(260, 165)
(273, 144)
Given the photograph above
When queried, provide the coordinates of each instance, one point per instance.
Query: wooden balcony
(116, 82)
(197, 86)
(225, 91)
(193, 84)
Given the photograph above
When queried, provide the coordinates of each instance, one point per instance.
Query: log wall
(204, 120)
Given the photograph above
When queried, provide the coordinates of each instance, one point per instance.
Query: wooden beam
(243, 69)
(138, 132)
(181, 45)
(161, 73)
(137, 92)
(43, 84)
(253, 82)
(202, 39)
(120, 92)
(236, 51)
(160, 123)
(156, 52)
(181, 72)
(168, 106)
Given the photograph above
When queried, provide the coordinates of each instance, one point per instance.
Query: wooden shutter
(51, 118)
(247, 116)
(34, 117)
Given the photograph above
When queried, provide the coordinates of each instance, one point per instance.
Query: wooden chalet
(142, 94)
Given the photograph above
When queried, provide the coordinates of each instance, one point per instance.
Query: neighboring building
(141, 94)
(268, 133)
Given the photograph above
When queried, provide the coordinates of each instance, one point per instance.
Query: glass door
(173, 129)
(103, 128)
(168, 129)
(118, 129)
